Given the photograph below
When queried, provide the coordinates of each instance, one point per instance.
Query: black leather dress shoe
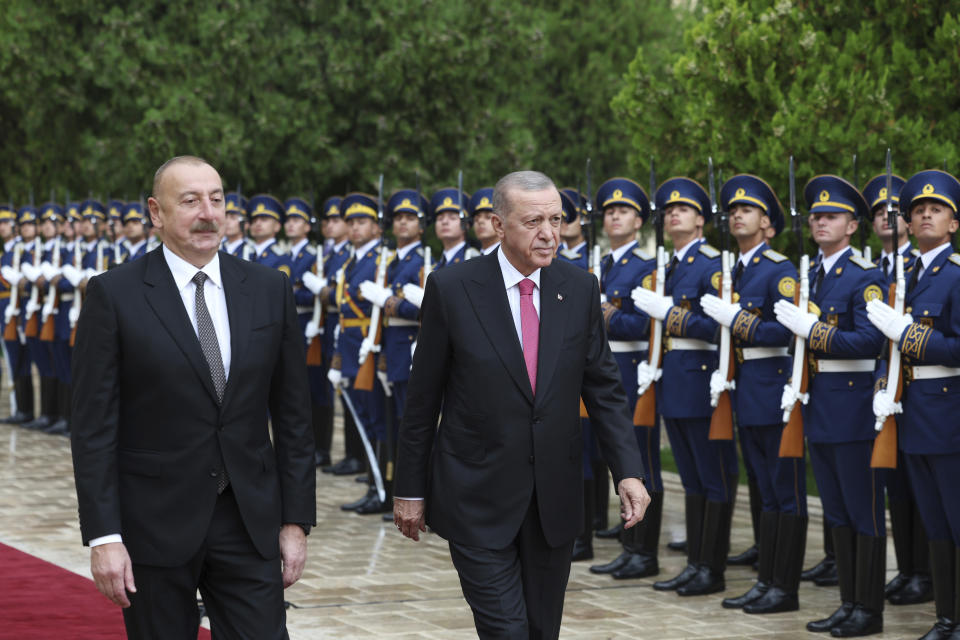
(582, 549)
(347, 467)
(943, 629)
(38, 424)
(356, 504)
(828, 578)
(757, 590)
(388, 517)
(18, 418)
(322, 458)
(835, 618)
(640, 565)
(678, 581)
(918, 588)
(677, 545)
(612, 532)
(704, 582)
(898, 582)
(776, 600)
(747, 558)
(819, 569)
(861, 622)
(59, 428)
(375, 505)
(613, 565)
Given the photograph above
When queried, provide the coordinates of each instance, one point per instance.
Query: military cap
(133, 212)
(930, 185)
(7, 212)
(833, 194)
(27, 214)
(299, 208)
(115, 209)
(93, 209)
(265, 205)
(571, 209)
(407, 201)
(682, 190)
(749, 189)
(623, 191)
(481, 200)
(51, 211)
(577, 198)
(73, 212)
(236, 203)
(445, 200)
(356, 205)
(875, 192)
(331, 207)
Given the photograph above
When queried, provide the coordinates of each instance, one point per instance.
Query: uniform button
(704, 367)
(214, 472)
(944, 389)
(779, 370)
(530, 459)
(850, 383)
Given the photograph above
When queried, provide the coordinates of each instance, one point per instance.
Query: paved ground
(363, 580)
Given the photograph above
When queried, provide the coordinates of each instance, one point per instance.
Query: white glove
(30, 272)
(335, 378)
(651, 303)
(374, 293)
(719, 384)
(413, 293)
(72, 274)
(722, 312)
(11, 275)
(887, 320)
(884, 405)
(74, 315)
(32, 307)
(790, 397)
(603, 298)
(365, 348)
(313, 282)
(48, 271)
(387, 388)
(90, 272)
(790, 316)
(8, 313)
(311, 331)
(646, 375)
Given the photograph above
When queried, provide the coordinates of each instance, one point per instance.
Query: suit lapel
(164, 298)
(552, 325)
(489, 299)
(238, 312)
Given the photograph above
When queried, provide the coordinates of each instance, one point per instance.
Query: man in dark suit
(180, 358)
(508, 344)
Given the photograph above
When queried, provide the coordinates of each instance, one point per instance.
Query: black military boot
(769, 521)
(693, 513)
(47, 405)
(871, 567)
(826, 569)
(643, 562)
(621, 559)
(319, 419)
(601, 498)
(714, 545)
(583, 545)
(919, 586)
(943, 572)
(791, 544)
(901, 528)
(62, 425)
(23, 392)
(844, 549)
(752, 554)
(374, 504)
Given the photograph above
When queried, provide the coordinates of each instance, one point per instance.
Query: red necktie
(530, 330)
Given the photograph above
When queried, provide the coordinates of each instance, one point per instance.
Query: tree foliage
(294, 96)
(759, 80)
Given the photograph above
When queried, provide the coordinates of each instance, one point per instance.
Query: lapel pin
(560, 297)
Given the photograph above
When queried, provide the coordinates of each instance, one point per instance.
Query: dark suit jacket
(148, 432)
(496, 443)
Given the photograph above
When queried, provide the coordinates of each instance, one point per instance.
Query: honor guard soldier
(573, 246)
(406, 215)
(29, 303)
(135, 231)
(16, 350)
(708, 468)
(8, 232)
(451, 224)
(928, 336)
(95, 248)
(266, 219)
(761, 277)
(481, 213)
(838, 420)
(625, 207)
(115, 230)
(235, 241)
(360, 213)
(912, 583)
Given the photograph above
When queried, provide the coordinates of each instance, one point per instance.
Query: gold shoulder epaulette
(861, 262)
(770, 254)
(570, 254)
(955, 259)
(708, 251)
(640, 253)
(419, 251)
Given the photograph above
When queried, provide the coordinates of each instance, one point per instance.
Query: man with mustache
(501, 477)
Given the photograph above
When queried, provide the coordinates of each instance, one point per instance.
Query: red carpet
(41, 601)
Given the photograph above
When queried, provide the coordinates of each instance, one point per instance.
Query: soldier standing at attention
(451, 223)
(838, 420)
(235, 241)
(481, 213)
(266, 219)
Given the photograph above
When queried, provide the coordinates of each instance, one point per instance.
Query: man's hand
(374, 293)
(634, 501)
(409, 518)
(885, 405)
(790, 316)
(651, 303)
(113, 572)
(413, 294)
(293, 552)
(723, 312)
(887, 320)
(646, 375)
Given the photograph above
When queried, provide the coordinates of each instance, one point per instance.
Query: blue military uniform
(838, 418)
(236, 204)
(579, 255)
(447, 200)
(761, 277)
(17, 355)
(134, 212)
(269, 253)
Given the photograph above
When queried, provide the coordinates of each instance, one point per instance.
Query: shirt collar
(490, 249)
(260, 248)
(9, 245)
(450, 254)
(828, 263)
(926, 259)
(340, 244)
(133, 248)
(618, 252)
(902, 250)
(362, 251)
(232, 246)
(745, 257)
(403, 251)
(512, 277)
(183, 272)
(576, 248)
(680, 253)
(295, 249)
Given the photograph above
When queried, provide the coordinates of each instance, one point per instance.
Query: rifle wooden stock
(73, 336)
(32, 328)
(583, 409)
(368, 369)
(884, 454)
(315, 352)
(721, 420)
(46, 332)
(791, 438)
(645, 411)
(10, 331)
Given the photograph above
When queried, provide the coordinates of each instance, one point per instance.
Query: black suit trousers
(242, 592)
(517, 592)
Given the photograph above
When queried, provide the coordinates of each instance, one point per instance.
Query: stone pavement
(364, 580)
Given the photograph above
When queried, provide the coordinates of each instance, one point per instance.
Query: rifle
(864, 233)
(885, 446)
(371, 341)
(315, 344)
(721, 421)
(32, 328)
(791, 440)
(427, 250)
(11, 331)
(645, 412)
(588, 213)
(52, 305)
(78, 292)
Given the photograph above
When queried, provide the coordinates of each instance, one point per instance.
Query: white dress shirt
(511, 281)
(490, 249)
(183, 273)
(451, 253)
(928, 258)
(745, 257)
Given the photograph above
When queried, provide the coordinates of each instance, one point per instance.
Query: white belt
(931, 371)
(66, 297)
(846, 366)
(690, 344)
(333, 309)
(401, 322)
(300, 308)
(625, 346)
(757, 353)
